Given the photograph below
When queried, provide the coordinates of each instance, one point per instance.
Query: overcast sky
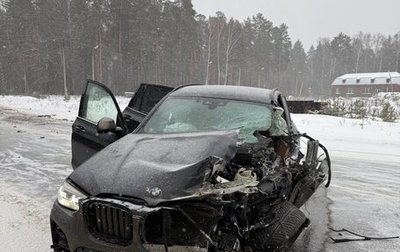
(309, 20)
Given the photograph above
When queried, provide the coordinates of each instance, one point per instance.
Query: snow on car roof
(243, 93)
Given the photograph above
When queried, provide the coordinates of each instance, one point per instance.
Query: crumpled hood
(155, 168)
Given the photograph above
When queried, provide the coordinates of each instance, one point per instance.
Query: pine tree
(22, 50)
(82, 45)
(297, 68)
(53, 31)
(388, 113)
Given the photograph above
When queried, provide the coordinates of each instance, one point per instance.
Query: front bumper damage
(105, 229)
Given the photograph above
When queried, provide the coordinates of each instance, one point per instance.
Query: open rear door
(144, 100)
(99, 123)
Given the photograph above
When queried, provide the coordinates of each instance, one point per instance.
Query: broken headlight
(69, 196)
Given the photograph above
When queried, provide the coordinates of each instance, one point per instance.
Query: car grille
(109, 222)
(179, 229)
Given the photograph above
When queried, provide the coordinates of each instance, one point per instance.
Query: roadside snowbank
(53, 105)
(353, 138)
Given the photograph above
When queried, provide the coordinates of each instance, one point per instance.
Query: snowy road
(34, 160)
(364, 195)
(365, 198)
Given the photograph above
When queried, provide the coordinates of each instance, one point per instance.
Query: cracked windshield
(199, 125)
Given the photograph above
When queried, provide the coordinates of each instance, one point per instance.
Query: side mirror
(106, 124)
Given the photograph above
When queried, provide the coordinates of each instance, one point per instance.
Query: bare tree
(211, 30)
(233, 35)
(221, 26)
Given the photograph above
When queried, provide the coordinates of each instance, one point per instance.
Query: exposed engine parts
(250, 203)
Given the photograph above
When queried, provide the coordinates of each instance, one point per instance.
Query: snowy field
(53, 105)
(364, 195)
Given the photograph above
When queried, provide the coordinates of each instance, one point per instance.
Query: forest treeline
(53, 46)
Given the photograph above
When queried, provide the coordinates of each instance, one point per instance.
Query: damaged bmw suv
(196, 168)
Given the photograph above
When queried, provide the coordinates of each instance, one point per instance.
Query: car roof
(242, 93)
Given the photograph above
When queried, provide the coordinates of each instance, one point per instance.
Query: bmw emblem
(155, 191)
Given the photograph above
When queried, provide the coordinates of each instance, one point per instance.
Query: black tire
(286, 225)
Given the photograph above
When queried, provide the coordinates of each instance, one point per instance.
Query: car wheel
(286, 225)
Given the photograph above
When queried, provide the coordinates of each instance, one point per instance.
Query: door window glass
(153, 96)
(137, 99)
(98, 103)
(147, 97)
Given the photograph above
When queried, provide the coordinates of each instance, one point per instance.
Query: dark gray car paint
(139, 164)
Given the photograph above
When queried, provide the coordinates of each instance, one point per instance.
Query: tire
(286, 225)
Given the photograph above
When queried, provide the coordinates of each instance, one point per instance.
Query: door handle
(80, 129)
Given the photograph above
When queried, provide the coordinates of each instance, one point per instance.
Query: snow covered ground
(364, 195)
(24, 225)
(52, 105)
(365, 192)
(353, 138)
